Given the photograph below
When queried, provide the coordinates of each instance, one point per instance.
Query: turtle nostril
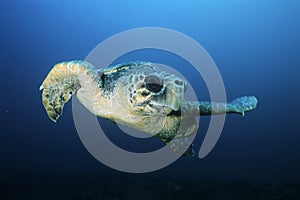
(177, 82)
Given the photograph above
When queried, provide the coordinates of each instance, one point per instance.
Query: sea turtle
(134, 94)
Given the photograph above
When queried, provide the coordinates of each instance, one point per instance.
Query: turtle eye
(153, 84)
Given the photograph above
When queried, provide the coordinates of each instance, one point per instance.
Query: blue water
(255, 45)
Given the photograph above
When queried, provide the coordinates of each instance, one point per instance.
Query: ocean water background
(255, 44)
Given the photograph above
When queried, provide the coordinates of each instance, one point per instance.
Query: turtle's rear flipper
(242, 104)
(62, 82)
(182, 147)
(190, 152)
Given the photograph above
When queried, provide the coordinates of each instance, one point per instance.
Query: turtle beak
(173, 99)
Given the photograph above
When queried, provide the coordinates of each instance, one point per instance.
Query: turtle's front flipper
(239, 105)
(63, 81)
(242, 105)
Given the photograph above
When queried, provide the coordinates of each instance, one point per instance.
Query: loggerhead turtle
(134, 94)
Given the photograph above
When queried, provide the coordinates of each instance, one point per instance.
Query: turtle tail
(62, 82)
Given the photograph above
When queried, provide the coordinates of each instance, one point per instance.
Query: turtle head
(156, 91)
